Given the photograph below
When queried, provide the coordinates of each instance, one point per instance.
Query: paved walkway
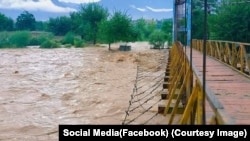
(231, 88)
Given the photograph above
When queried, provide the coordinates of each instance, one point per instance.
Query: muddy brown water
(42, 88)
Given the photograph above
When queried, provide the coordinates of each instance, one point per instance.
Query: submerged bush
(4, 39)
(68, 38)
(20, 38)
(40, 38)
(68, 45)
(50, 44)
(78, 42)
(157, 39)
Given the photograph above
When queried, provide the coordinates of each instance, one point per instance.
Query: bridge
(206, 81)
(226, 97)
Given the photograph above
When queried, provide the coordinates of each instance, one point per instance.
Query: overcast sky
(44, 9)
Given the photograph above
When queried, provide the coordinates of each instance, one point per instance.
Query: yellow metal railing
(235, 54)
(185, 91)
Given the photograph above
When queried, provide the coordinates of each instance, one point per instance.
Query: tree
(20, 38)
(106, 33)
(77, 24)
(231, 21)
(140, 25)
(150, 28)
(91, 15)
(118, 28)
(60, 25)
(157, 38)
(166, 28)
(40, 26)
(197, 20)
(7, 24)
(198, 17)
(25, 21)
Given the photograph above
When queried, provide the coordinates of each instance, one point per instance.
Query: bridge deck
(230, 87)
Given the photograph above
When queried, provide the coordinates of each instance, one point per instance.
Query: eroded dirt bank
(41, 88)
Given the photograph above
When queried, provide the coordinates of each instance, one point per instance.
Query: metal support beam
(188, 15)
(182, 10)
(174, 22)
(204, 62)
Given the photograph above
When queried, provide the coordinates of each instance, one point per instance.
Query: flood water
(42, 88)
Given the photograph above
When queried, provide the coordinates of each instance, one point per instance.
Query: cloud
(78, 1)
(34, 5)
(139, 9)
(151, 9)
(159, 10)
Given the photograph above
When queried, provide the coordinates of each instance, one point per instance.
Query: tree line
(227, 20)
(93, 23)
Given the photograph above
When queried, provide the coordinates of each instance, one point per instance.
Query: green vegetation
(86, 21)
(226, 21)
(68, 38)
(118, 28)
(7, 24)
(20, 38)
(4, 39)
(25, 21)
(78, 42)
(50, 44)
(157, 39)
(59, 26)
(38, 38)
(91, 24)
(166, 28)
(231, 22)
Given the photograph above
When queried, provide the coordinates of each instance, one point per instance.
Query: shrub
(4, 39)
(68, 45)
(56, 44)
(46, 44)
(20, 38)
(40, 38)
(157, 39)
(78, 42)
(34, 41)
(49, 44)
(68, 38)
